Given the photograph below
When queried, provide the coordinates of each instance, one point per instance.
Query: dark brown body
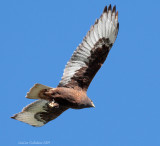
(67, 97)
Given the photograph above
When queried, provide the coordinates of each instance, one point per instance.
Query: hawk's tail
(35, 90)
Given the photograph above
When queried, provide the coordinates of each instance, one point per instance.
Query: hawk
(86, 60)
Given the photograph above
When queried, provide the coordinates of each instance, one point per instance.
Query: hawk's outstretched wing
(39, 113)
(92, 52)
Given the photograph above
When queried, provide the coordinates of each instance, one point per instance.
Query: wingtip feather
(105, 9)
(110, 7)
(114, 9)
(13, 117)
(117, 14)
(118, 26)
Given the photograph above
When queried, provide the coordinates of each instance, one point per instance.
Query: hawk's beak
(93, 105)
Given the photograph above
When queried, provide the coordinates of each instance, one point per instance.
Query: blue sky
(38, 37)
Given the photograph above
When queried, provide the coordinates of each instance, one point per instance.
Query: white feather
(95, 30)
(104, 18)
(92, 36)
(100, 28)
(88, 39)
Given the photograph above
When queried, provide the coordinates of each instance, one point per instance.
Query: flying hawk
(86, 60)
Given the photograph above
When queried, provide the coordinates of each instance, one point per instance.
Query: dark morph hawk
(86, 60)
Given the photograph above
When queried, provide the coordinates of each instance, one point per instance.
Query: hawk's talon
(53, 104)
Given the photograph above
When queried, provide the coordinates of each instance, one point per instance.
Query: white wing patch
(105, 27)
(28, 113)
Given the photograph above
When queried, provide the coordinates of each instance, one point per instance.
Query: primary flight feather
(86, 60)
